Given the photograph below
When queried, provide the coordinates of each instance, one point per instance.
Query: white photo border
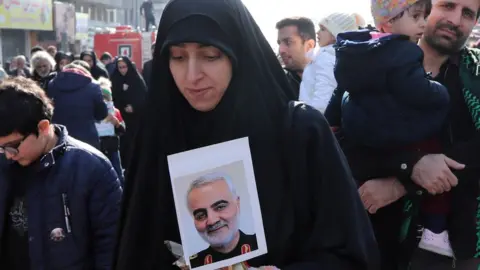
(213, 156)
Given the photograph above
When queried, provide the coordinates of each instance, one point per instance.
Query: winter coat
(318, 80)
(43, 81)
(391, 99)
(77, 177)
(78, 105)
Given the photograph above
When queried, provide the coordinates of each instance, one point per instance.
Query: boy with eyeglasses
(59, 197)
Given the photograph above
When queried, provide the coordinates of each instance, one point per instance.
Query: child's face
(324, 37)
(411, 24)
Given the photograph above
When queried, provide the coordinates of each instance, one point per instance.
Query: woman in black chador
(128, 90)
(96, 67)
(215, 78)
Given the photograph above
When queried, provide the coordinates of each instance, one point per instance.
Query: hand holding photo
(217, 206)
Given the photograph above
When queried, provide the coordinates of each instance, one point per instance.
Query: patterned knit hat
(385, 10)
(337, 23)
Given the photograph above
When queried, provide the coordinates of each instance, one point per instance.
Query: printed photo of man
(215, 207)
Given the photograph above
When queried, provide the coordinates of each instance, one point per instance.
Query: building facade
(18, 20)
(32, 22)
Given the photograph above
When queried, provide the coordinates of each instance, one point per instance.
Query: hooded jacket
(460, 140)
(391, 101)
(97, 70)
(78, 105)
(92, 194)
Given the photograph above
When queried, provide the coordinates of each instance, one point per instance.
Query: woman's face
(122, 67)
(201, 73)
(324, 37)
(63, 63)
(88, 59)
(43, 68)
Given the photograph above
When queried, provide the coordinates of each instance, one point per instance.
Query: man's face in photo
(215, 210)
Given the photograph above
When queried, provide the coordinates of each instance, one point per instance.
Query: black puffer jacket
(391, 101)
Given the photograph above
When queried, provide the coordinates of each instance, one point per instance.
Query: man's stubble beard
(449, 48)
(233, 229)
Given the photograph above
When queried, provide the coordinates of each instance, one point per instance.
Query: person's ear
(386, 27)
(310, 44)
(43, 127)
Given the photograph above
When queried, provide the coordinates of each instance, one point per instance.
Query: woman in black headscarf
(96, 69)
(129, 91)
(215, 79)
(62, 59)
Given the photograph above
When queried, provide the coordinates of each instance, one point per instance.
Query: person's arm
(104, 198)
(333, 112)
(410, 84)
(325, 82)
(138, 98)
(121, 128)
(340, 235)
(100, 108)
(142, 7)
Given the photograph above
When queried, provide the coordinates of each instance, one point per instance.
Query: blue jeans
(114, 158)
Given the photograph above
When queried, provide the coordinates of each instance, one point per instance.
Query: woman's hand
(113, 120)
(129, 108)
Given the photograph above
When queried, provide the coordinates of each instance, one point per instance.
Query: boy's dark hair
(23, 104)
(421, 4)
(36, 49)
(83, 64)
(305, 26)
(106, 56)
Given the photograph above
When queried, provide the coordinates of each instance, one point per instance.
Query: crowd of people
(364, 144)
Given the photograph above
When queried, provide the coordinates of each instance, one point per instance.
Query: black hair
(23, 104)
(421, 4)
(36, 49)
(305, 26)
(106, 56)
(70, 56)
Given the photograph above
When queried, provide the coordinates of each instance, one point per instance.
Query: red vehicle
(125, 41)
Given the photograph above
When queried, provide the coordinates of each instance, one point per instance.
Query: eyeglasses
(12, 148)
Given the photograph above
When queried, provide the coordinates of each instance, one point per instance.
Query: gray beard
(215, 242)
(43, 75)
